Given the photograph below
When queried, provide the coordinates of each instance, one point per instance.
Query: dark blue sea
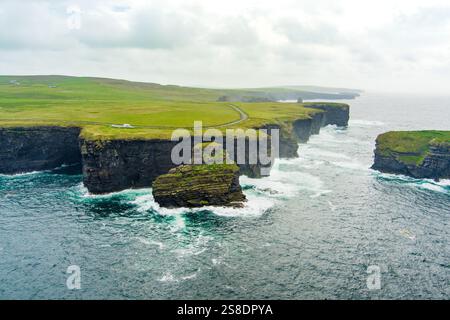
(309, 231)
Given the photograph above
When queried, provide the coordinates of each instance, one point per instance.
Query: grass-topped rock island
(119, 132)
(419, 154)
(199, 185)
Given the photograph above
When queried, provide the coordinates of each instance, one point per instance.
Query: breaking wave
(18, 175)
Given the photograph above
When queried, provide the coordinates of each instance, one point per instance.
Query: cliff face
(116, 165)
(25, 149)
(435, 165)
(412, 153)
(199, 185)
(305, 128)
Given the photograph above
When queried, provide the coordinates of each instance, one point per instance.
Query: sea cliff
(25, 149)
(115, 165)
(118, 164)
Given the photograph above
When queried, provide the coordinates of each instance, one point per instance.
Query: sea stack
(419, 154)
(199, 185)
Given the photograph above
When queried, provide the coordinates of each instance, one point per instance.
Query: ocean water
(309, 231)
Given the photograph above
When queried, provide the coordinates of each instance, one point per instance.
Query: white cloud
(384, 45)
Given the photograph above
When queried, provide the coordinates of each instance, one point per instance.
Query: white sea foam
(272, 187)
(190, 276)
(23, 174)
(255, 206)
(444, 182)
(145, 203)
(286, 184)
(84, 193)
(433, 187)
(145, 241)
(169, 277)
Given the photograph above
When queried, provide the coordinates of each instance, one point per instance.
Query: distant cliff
(274, 94)
(419, 154)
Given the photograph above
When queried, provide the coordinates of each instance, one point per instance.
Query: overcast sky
(379, 45)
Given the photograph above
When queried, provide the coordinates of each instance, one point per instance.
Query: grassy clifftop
(410, 147)
(154, 110)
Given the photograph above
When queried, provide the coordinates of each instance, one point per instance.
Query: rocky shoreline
(115, 165)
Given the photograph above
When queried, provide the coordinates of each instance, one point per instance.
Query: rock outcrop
(419, 154)
(25, 149)
(199, 185)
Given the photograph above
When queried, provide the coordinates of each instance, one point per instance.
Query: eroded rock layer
(199, 185)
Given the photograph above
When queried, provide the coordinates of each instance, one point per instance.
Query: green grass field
(155, 110)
